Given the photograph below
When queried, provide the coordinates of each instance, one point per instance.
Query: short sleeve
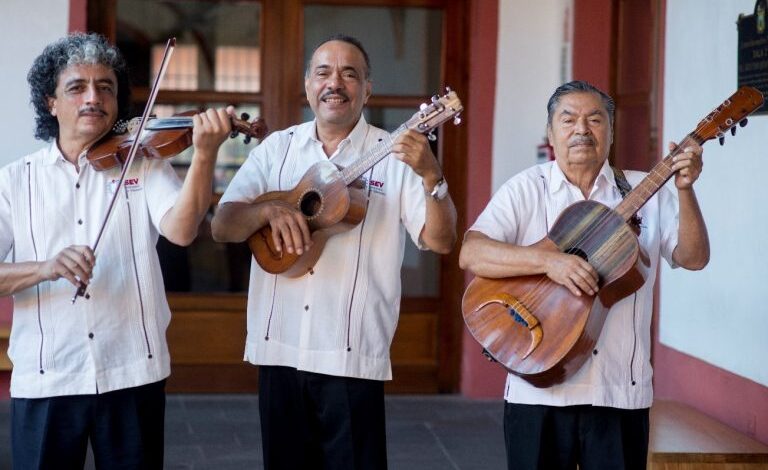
(499, 219)
(251, 179)
(6, 223)
(162, 186)
(669, 222)
(413, 206)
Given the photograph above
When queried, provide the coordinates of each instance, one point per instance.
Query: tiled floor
(221, 432)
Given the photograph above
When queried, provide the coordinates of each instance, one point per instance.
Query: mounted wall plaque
(753, 51)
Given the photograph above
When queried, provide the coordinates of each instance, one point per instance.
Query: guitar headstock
(733, 111)
(435, 113)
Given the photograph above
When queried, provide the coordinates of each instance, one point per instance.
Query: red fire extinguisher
(544, 152)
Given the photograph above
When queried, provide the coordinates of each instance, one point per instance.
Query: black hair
(579, 86)
(73, 49)
(349, 40)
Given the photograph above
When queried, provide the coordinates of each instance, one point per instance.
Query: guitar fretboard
(372, 156)
(655, 179)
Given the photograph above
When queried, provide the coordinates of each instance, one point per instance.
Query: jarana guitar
(535, 327)
(333, 199)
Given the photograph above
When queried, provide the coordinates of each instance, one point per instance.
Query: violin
(164, 138)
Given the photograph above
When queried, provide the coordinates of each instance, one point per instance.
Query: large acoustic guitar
(334, 199)
(536, 328)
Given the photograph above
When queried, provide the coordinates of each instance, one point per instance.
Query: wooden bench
(683, 438)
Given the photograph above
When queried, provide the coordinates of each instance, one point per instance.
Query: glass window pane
(217, 43)
(404, 44)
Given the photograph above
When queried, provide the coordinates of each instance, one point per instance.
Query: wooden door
(206, 282)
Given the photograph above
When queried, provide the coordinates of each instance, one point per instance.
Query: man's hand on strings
(687, 165)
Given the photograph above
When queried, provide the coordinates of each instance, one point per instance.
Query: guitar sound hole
(311, 204)
(578, 252)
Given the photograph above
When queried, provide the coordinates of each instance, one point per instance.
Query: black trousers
(125, 428)
(594, 437)
(315, 421)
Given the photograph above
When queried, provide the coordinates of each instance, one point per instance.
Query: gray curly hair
(74, 49)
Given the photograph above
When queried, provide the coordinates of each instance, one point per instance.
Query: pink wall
(479, 378)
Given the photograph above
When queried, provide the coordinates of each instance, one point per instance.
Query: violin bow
(81, 290)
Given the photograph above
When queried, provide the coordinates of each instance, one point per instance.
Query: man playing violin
(322, 340)
(93, 369)
(597, 418)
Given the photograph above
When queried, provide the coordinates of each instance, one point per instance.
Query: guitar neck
(371, 157)
(655, 179)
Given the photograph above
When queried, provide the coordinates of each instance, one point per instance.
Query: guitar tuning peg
(733, 130)
(721, 139)
(431, 136)
(456, 120)
(245, 116)
(247, 140)
(435, 98)
(233, 134)
(423, 106)
(743, 122)
(447, 90)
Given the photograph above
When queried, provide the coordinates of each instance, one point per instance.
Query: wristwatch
(440, 190)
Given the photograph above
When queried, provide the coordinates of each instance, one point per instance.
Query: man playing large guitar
(597, 416)
(322, 338)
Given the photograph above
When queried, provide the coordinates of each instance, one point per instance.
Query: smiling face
(580, 132)
(337, 85)
(85, 104)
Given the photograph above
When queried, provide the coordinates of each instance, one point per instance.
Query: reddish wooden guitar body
(330, 207)
(536, 328)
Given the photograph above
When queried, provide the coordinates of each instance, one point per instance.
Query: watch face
(440, 190)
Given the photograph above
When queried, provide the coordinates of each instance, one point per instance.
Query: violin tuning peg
(245, 116)
(743, 122)
(431, 136)
(721, 139)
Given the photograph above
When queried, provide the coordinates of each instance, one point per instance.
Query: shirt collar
(356, 138)
(54, 155)
(557, 179)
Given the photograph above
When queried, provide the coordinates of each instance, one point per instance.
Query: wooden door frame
(281, 105)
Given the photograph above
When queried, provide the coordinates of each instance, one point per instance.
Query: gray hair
(74, 49)
(579, 86)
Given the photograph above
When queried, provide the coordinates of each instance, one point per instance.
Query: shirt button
(77, 185)
(306, 307)
(594, 352)
(79, 221)
(90, 335)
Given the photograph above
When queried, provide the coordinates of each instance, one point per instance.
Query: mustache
(334, 93)
(581, 141)
(91, 110)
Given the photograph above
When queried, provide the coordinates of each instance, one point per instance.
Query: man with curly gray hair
(92, 370)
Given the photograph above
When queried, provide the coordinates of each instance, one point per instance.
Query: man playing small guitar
(322, 339)
(597, 416)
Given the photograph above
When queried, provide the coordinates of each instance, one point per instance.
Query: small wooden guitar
(333, 199)
(535, 327)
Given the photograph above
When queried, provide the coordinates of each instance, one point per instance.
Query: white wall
(719, 315)
(26, 27)
(528, 71)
